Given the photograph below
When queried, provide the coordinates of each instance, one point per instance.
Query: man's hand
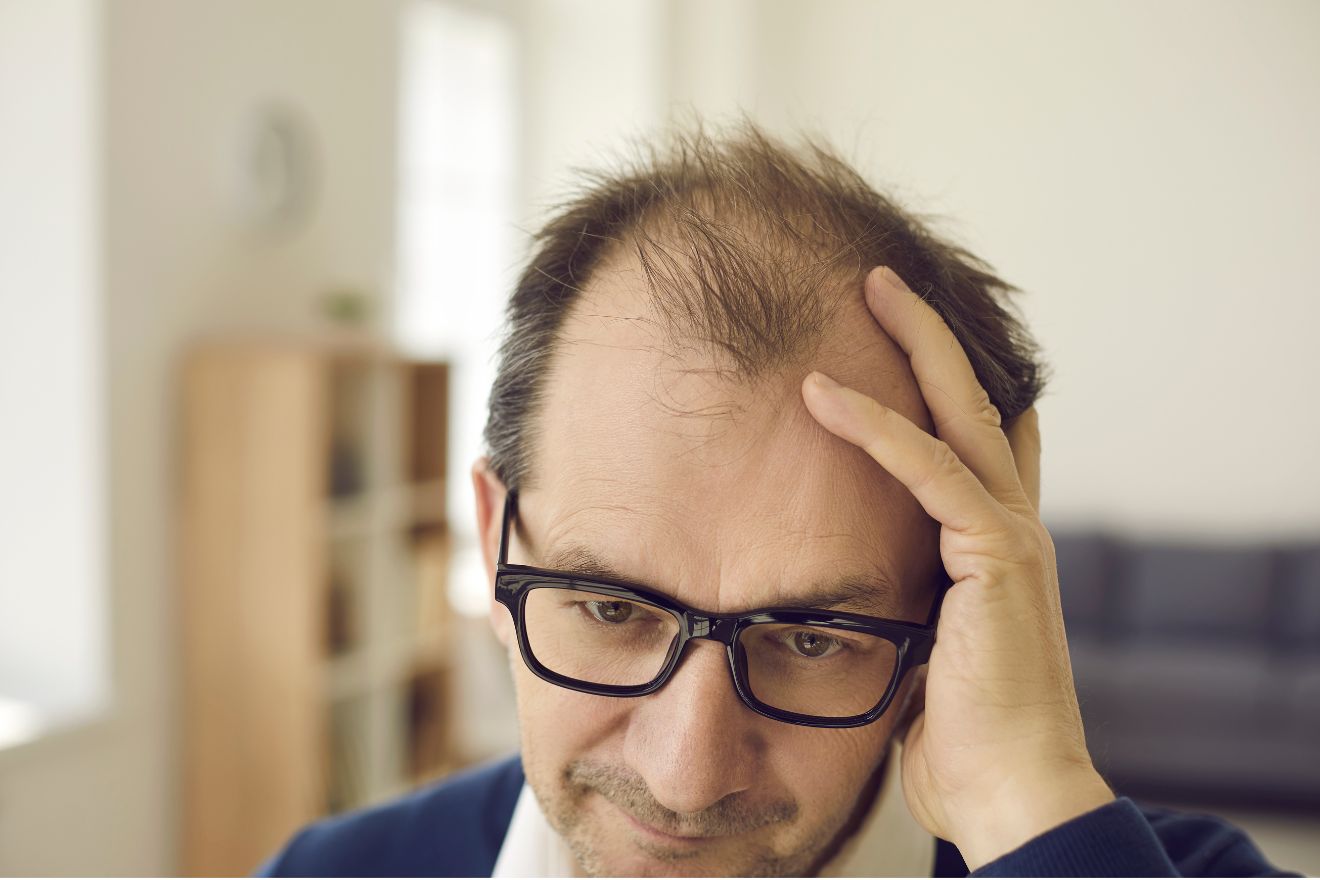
(998, 754)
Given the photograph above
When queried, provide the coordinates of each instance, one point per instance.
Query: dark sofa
(1197, 666)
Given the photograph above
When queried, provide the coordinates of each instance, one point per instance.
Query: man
(762, 526)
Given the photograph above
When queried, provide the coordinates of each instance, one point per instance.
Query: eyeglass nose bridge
(719, 629)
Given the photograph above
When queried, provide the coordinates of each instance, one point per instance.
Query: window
(53, 658)
(455, 226)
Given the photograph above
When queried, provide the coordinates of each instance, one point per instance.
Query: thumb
(916, 777)
(1024, 440)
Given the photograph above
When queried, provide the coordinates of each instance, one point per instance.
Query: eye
(610, 611)
(813, 644)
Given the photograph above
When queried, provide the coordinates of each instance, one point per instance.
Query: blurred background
(254, 253)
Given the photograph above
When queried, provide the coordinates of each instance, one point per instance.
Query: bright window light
(54, 666)
(455, 226)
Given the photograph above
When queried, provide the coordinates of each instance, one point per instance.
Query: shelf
(349, 517)
(348, 771)
(407, 655)
(350, 419)
(362, 672)
(315, 555)
(348, 676)
(415, 504)
(430, 734)
(386, 510)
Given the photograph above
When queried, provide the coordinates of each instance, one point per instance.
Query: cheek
(827, 769)
(501, 623)
(559, 725)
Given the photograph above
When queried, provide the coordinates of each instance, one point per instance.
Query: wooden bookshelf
(314, 553)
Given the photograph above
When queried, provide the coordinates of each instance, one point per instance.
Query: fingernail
(824, 381)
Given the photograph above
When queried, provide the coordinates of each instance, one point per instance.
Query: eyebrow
(860, 594)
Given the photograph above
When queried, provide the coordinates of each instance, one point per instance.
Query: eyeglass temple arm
(510, 511)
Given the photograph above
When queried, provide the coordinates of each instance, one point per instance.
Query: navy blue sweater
(456, 828)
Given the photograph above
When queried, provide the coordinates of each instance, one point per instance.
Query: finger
(964, 416)
(1024, 440)
(926, 465)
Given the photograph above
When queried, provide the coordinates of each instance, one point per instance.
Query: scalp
(747, 258)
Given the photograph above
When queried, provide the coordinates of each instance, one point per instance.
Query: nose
(693, 741)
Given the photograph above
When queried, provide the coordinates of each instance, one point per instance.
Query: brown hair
(747, 246)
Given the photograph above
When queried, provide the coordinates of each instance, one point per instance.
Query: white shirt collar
(532, 848)
(890, 843)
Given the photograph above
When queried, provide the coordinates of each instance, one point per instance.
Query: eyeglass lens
(596, 638)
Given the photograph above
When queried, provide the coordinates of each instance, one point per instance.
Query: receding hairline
(734, 233)
(646, 281)
(695, 380)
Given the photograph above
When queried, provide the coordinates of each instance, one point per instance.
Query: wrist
(1026, 805)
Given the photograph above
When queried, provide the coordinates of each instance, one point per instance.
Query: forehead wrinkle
(567, 529)
(789, 528)
(839, 565)
(725, 420)
(855, 569)
(860, 593)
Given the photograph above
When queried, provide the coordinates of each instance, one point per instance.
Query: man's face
(726, 498)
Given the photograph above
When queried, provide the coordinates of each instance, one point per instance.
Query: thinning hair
(748, 247)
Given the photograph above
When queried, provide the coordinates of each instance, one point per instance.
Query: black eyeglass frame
(513, 584)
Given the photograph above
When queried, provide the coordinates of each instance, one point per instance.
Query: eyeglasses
(803, 666)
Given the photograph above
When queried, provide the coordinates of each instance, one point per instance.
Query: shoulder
(451, 828)
(1122, 839)
(1207, 846)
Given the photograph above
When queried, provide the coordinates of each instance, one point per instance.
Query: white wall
(51, 536)
(178, 81)
(595, 78)
(1146, 173)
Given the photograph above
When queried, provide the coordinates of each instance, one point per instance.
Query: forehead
(724, 494)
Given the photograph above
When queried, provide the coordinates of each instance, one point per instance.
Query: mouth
(664, 837)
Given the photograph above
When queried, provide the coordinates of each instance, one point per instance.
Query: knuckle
(984, 410)
(943, 459)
